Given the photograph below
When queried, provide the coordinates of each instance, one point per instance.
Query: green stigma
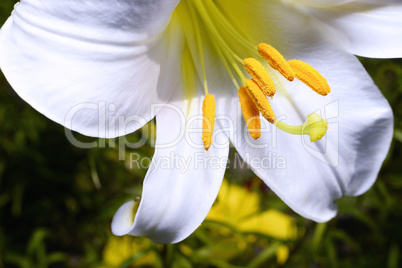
(315, 127)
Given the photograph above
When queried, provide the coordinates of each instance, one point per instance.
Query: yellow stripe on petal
(136, 205)
(276, 60)
(260, 100)
(310, 76)
(208, 113)
(260, 75)
(250, 113)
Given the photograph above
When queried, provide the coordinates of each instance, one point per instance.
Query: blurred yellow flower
(240, 208)
(133, 250)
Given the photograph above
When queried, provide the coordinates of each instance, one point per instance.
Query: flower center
(207, 28)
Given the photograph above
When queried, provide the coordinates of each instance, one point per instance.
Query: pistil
(315, 127)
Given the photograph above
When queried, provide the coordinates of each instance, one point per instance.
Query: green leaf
(264, 256)
(56, 257)
(331, 251)
(398, 135)
(318, 234)
(36, 241)
(393, 257)
(181, 262)
(135, 257)
(17, 259)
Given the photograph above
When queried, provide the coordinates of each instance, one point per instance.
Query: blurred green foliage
(57, 202)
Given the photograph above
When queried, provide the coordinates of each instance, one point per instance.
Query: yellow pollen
(260, 75)
(250, 113)
(276, 60)
(310, 76)
(260, 100)
(208, 113)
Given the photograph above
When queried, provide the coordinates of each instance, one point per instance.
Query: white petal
(182, 181)
(364, 29)
(322, 3)
(331, 3)
(309, 177)
(93, 66)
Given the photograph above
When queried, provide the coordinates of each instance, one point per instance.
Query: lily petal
(322, 3)
(331, 3)
(310, 176)
(182, 181)
(89, 64)
(365, 29)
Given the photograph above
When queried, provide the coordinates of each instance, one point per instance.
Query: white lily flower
(64, 57)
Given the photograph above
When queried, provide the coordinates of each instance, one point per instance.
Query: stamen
(208, 113)
(198, 39)
(225, 63)
(229, 29)
(231, 45)
(250, 113)
(315, 127)
(276, 60)
(226, 50)
(260, 100)
(310, 76)
(260, 75)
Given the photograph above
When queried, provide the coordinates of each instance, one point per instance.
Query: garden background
(57, 202)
